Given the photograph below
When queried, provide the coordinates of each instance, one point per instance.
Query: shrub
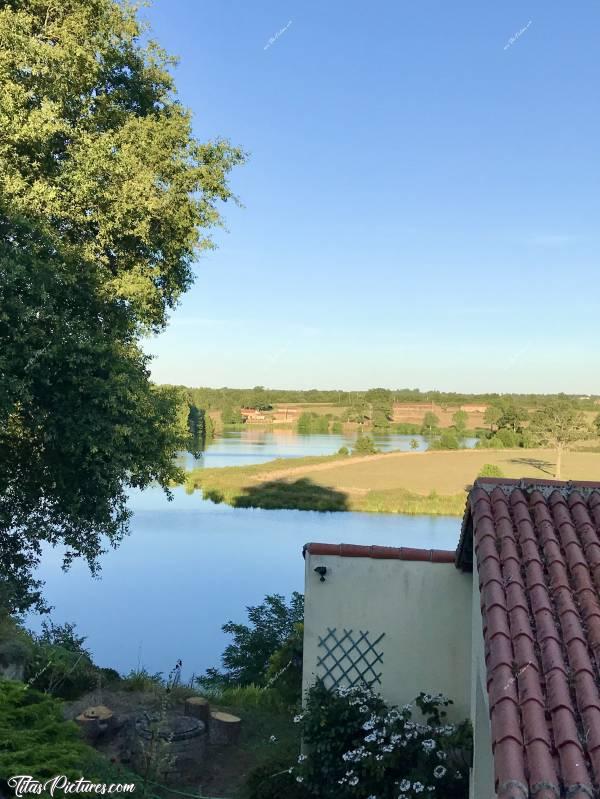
(60, 665)
(490, 470)
(343, 451)
(141, 680)
(247, 658)
(508, 438)
(35, 737)
(273, 780)
(284, 675)
(364, 445)
(446, 441)
(16, 645)
(356, 746)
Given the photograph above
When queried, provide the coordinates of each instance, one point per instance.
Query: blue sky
(421, 201)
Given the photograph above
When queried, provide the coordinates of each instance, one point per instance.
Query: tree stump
(199, 708)
(95, 721)
(224, 728)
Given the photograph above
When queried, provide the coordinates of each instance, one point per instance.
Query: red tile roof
(385, 553)
(537, 547)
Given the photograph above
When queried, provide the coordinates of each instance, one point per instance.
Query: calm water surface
(189, 565)
(244, 447)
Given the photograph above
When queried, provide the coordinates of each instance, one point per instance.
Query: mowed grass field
(397, 482)
(449, 472)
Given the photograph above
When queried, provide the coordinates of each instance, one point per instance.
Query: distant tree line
(374, 399)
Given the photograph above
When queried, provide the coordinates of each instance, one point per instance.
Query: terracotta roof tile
(381, 553)
(537, 548)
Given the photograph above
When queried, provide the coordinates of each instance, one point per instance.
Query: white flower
(301, 758)
(272, 739)
(418, 787)
(439, 772)
(298, 719)
(372, 736)
(299, 779)
(440, 754)
(429, 745)
(404, 785)
(368, 725)
(364, 709)
(378, 757)
(353, 781)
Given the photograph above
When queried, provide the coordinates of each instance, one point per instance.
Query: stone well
(176, 744)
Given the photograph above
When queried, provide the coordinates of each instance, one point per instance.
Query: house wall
(482, 773)
(423, 608)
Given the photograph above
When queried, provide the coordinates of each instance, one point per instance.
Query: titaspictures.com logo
(26, 785)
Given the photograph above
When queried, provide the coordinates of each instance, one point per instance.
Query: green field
(396, 482)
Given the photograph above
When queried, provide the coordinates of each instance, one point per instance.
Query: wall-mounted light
(321, 571)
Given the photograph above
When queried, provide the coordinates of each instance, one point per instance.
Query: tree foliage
(430, 423)
(104, 194)
(364, 445)
(35, 737)
(557, 425)
(271, 624)
(459, 420)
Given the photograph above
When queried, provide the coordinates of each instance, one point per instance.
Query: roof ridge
(380, 552)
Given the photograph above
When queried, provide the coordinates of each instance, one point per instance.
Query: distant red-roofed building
(512, 634)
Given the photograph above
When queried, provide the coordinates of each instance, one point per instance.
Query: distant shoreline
(431, 483)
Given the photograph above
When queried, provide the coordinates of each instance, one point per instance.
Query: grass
(395, 482)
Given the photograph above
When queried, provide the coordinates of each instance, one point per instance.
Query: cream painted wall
(423, 608)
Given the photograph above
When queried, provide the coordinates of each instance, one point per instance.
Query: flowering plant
(356, 747)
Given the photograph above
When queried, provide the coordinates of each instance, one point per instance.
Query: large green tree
(558, 425)
(105, 200)
(271, 625)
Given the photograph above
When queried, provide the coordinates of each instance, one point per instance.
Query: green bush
(141, 680)
(16, 645)
(34, 737)
(59, 663)
(364, 445)
(447, 440)
(284, 675)
(508, 438)
(343, 451)
(356, 746)
(247, 658)
(407, 429)
(490, 470)
(273, 780)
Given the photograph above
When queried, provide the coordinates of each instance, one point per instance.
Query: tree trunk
(199, 708)
(224, 728)
(558, 462)
(95, 721)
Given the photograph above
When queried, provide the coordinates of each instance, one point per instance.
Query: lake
(189, 565)
(253, 445)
